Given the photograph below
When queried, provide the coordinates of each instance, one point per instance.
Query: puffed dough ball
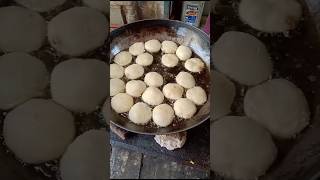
(152, 96)
(271, 15)
(137, 48)
(224, 92)
(123, 58)
(279, 106)
(186, 80)
(152, 46)
(79, 84)
(172, 91)
(22, 30)
(153, 79)
(183, 53)
(140, 113)
(242, 57)
(144, 59)
(22, 77)
(135, 88)
(38, 130)
(169, 47)
(163, 115)
(100, 5)
(184, 108)
(121, 102)
(86, 157)
(134, 71)
(40, 5)
(169, 60)
(77, 31)
(242, 149)
(197, 95)
(116, 71)
(116, 86)
(194, 65)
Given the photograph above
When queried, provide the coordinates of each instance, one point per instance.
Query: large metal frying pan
(182, 33)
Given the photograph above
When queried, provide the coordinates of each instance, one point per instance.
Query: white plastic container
(192, 12)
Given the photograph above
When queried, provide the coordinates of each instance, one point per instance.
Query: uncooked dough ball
(152, 46)
(271, 15)
(242, 57)
(186, 80)
(116, 71)
(194, 65)
(197, 95)
(123, 58)
(134, 71)
(116, 86)
(22, 77)
(144, 59)
(279, 106)
(163, 115)
(22, 30)
(79, 84)
(152, 96)
(183, 52)
(38, 130)
(153, 79)
(224, 92)
(140, 113)
(135, 88)
(77, 31)
(169, 47)
(184, 108)
(101, 5)
(86, 158)
(172, 91)
(169, 60)
(137, 48)
(242, 149)
(121, 102)
(40, 5)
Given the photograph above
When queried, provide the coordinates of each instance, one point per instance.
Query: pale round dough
(279, 106)
(197, 95)
(22, 30)
(152, 46)
(163, 115)
(153, 79)
(121, 102)
(134, 71)
(153, 96)
(242, 57)
(22, 77)
(144, 59)
(172, 91)
(184, 108)
(183, 52)
(101, 5)
(242, 149)
(194, 65)
(135, 88)
(87, 157)
(38, 130)
(116, 86)
(271, 15)
(123, 58)
(40, 5)
(137, 48)
(77, 31)
(224, 92)
(116, 71)
(140, 113)
(79, 84)
(169, 47)
(169, 60)
(186, 80)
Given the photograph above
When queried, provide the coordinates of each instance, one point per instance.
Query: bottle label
(191, 14)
